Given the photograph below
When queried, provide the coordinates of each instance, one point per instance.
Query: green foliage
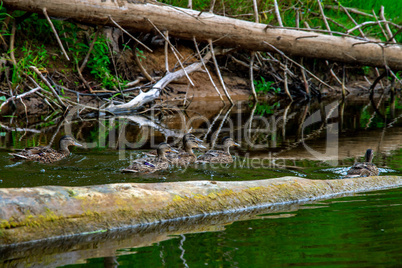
(366, 70)
(30, 54)
(99, 63)
(263, 86)
(33, 32)
(265, 108)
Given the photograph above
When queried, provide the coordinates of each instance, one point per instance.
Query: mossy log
(145, 16)
(28, 214)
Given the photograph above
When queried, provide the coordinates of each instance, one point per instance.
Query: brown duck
(151, 164)
(45, 154)
(364, 169)
(187, 156)
(171, 154)
(218, 156)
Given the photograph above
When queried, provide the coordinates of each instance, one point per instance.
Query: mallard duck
(364, 169)
(187, 156)
(45, 154)
(171, 154)
(218, 156)
(151, 164)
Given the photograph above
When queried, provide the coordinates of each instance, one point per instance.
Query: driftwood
(154, 93)
(187, 23)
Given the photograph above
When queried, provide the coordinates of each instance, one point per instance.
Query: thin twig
(89, 107)
(166, 33)
(324, 18)
(91, 46)
(331, 20)
(216, 134)
(351, 18)
(278, 14)
(33, 68)
(173, 50)
(45, 97)
(382, 16)
(306, 87)
(364, 24)
(206, 69)
(285, 83)
(219, 72)
(142, 69)
(84, 80)
(12, 38)
(252, 76)
(19, 96)
(283, 54)
(135, 39)
(255, 68)
(297, 19)
(336, 77)
(379, 25)
(213, 123)
(55, 33)
(115, 68)
(211, 9)
(343, 82)
(352, 10)
(255, 6)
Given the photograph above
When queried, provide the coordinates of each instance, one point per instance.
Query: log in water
(28, 214)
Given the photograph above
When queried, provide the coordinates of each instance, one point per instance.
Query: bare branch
(33, 68)
(219, 72)
(135, 39)
(55, 34)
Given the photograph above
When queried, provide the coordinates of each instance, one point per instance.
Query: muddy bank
(28, 214)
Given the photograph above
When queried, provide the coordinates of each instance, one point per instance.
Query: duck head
(227, 143)
(369, 155)
(190, 144)
(67, 141)
(163, 148)
(190, 136)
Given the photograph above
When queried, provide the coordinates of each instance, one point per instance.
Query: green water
(363, 230)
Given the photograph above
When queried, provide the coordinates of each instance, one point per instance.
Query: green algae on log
(28, 214)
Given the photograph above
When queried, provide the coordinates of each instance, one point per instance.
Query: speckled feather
(46, 154)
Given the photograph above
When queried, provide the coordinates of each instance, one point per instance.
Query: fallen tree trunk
(186, 23)
(28, 214)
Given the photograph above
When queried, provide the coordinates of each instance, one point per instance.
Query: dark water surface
(317, 140)
(364, 230)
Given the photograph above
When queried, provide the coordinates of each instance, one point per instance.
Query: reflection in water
(276, 139)
(121, 242)
(287, 130)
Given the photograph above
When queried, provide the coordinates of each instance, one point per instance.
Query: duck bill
(236, 144)
(201, 146)
(77, 144)
(173, 150)
(198, 140)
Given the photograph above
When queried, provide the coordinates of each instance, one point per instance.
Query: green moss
(71, 193)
